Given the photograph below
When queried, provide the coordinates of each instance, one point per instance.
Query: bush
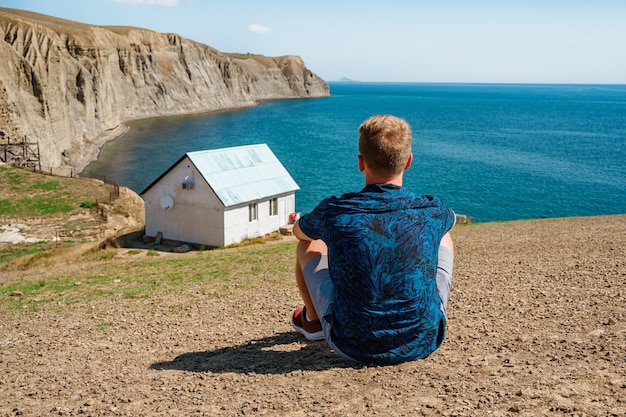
(88, 204)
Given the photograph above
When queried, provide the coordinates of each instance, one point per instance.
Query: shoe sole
(310, 336)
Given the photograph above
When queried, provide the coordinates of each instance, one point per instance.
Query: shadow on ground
(261, 356)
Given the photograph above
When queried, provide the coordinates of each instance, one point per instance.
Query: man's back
(382, 251)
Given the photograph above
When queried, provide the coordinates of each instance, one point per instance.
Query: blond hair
(385, 144)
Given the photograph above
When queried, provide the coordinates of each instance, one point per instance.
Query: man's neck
(396, 180)
(372, 178)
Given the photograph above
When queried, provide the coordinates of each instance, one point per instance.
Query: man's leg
(446, 242)
(306, 251)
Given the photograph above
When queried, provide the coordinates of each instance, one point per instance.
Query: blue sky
(498, 41)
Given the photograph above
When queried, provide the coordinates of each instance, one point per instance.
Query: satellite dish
(167, 202)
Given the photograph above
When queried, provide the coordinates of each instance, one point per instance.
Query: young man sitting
(374, 267)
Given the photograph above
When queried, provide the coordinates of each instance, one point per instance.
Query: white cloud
(258, 28)
(151, 2)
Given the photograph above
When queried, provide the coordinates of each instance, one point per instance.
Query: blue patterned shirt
(383, 247)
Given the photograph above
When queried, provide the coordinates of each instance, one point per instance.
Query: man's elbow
(298, 233)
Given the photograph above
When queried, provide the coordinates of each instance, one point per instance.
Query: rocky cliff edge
(70, 87)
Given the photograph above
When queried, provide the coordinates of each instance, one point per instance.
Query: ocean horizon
(493, 152)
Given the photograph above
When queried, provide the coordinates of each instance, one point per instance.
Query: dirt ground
(537, 326)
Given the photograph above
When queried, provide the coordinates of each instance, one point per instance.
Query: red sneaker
(312, 330)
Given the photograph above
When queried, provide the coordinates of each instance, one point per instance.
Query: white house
(219, 197)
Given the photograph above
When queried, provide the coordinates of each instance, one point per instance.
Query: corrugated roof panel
(243, 173)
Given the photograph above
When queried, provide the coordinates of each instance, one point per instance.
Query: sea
(492, 152)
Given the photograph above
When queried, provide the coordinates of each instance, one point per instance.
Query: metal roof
(243, 173)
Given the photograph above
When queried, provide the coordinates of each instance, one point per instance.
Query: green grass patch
(45, 186)
(5, 206)
(44, 206)
(8, 253)
(35, 206)
(14, 177)
(31, 306)
(26, 288)
(89, 204)
(219, 273)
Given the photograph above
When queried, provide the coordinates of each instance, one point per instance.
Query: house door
(283, 216)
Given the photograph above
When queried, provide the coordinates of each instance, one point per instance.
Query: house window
(252, 212)
(274, 207)
(188, 182)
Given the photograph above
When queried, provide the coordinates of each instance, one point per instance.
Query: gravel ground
(537, 326)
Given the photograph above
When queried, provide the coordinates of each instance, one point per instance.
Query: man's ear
(361, 164)
(409, 161)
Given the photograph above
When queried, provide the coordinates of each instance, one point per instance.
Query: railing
(63, 234)
(114, 194)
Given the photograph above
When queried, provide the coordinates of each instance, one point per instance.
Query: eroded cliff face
(70, 86)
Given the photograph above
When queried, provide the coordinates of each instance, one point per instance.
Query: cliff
(70, 86)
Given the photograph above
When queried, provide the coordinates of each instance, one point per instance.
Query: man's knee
(447, 243)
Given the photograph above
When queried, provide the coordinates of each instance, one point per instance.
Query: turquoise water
(492, 152)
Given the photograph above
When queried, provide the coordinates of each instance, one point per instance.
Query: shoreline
(124, 127)
(99, 142)
(110, 135)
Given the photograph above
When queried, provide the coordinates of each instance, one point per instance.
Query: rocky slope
(70, 86)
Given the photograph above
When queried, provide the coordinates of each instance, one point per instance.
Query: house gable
(182, 207)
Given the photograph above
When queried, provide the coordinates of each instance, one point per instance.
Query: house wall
(197, 215)
(238, 227)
